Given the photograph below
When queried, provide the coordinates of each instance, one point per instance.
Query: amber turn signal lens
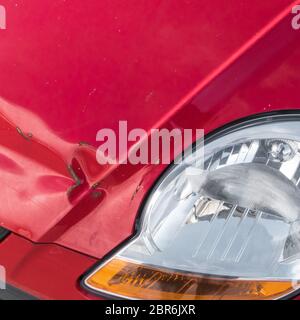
(134, 281)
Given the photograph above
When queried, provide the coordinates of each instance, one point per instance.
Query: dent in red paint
(70, 68)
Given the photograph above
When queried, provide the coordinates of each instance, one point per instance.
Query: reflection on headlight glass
(238, 217)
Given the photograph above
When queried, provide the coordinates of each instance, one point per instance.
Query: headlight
(230, 231)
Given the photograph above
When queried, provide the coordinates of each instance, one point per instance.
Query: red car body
(70, 68)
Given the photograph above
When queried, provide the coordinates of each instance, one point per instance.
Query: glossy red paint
(70, 68)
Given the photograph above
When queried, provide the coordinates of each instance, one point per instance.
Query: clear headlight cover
(228, 230)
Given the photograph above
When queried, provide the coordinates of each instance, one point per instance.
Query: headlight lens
(230, 231)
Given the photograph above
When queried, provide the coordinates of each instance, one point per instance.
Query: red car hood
(70, 68)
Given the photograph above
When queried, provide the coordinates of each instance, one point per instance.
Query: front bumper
(42, 271)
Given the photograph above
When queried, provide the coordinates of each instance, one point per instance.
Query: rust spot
(96, 185)
(83, 143)
(138, 188)
(76, 179)
(27, 136)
